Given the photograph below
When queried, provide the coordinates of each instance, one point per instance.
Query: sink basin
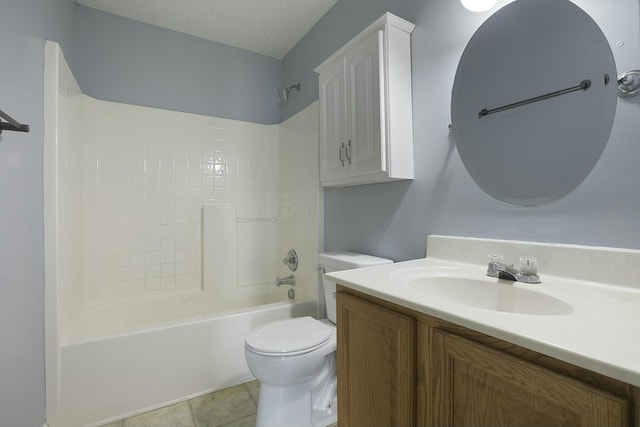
(488, 293)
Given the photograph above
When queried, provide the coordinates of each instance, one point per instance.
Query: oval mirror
(533, 101)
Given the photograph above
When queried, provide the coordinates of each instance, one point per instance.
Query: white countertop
(601, 333)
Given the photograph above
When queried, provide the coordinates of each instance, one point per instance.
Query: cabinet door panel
(363, 107)
(475, 385)
(332, 123)
(376, 362)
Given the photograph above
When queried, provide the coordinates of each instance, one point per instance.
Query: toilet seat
(289, 337)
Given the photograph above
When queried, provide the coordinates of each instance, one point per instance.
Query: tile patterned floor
(231, 407)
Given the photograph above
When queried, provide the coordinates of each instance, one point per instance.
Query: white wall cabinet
(366, 125)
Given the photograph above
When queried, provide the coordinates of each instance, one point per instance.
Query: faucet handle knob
(528, 265)
(291, 260)
(495, 257)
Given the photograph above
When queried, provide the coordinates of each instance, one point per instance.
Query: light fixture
(478, 5)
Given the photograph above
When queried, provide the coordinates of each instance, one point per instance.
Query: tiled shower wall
(147, 173)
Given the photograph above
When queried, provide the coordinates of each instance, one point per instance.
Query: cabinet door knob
(348, 152)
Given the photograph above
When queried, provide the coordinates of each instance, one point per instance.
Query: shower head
(283, 91)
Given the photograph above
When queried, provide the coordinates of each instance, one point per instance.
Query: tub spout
(289, 280)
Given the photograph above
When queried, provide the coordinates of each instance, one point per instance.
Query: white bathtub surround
(63, 197)
(238, 273)
(62, 175)
(132, 181)
(301, 218)
(593, 292)
(148, 172)
(146, 292)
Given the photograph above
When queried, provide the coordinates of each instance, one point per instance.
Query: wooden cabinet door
(333, 127)
(474, 385)
(376, 365)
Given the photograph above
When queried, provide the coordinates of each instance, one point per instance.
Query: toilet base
(290, 407)
(312, 403)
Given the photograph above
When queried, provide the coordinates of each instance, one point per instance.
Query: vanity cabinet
(366, 132)
(442, 374)
(476, 385)
(376, 365)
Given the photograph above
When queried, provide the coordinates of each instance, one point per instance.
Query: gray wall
(24, 25)
(128, 61)
(122, 60)
(393, 219)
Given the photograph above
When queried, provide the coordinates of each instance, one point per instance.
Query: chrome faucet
(289, 280)
(527, 273)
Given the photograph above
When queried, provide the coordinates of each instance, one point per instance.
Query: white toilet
(295, 359)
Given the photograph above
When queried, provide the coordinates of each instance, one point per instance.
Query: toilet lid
(288, 336)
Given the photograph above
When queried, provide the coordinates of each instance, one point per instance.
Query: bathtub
(126, 358)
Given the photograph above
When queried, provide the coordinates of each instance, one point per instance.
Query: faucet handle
(495, 257)
(528, 265)
(291, 260)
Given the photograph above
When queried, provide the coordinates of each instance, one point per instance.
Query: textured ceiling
(267, 27)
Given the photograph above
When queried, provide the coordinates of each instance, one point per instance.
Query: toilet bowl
(295, 359)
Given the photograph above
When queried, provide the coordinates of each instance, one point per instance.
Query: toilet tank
(342, 260)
